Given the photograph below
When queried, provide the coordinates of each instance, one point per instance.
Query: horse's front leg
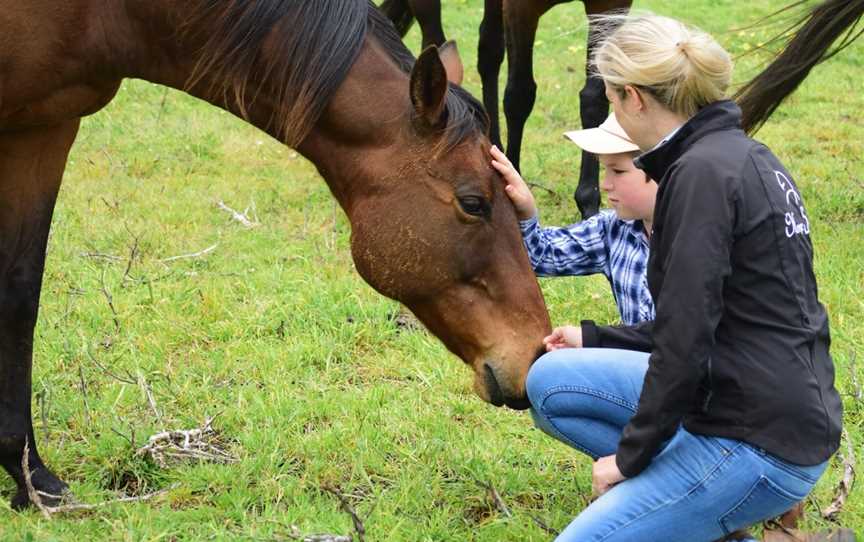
(31, 166)
(593, 104)
(520, 28)
(428, 15)
(490, 55)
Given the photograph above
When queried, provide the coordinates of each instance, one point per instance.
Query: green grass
(274, 330)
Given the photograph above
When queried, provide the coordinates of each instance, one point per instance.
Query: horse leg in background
(520, 27)
(593, 108)
(427, 13)
(31, 167)
(490, 55)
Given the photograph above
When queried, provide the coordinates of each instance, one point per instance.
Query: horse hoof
(55, 490)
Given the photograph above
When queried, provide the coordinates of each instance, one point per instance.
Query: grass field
(275, 332)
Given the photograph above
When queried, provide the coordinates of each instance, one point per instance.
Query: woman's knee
(547, 371)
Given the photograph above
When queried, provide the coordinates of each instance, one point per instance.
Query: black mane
(319, 42)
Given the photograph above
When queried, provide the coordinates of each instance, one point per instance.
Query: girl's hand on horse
(605, 475)
(516, 188)
(564, 337)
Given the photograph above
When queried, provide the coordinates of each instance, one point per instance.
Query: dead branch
(242, 218)
(128, 379)
(857, 392)
(110, 300)
(101, 256)
(540, 523)
(496, 498)
(81, 506)
(145, 387)
(200, 443)
(348, 509)
(844, 488)
(84, 394)
(28, 481)
(47, 511)
(295, 534)
(133, 253)
(192, 255)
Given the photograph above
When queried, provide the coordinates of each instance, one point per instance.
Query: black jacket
(739, 347)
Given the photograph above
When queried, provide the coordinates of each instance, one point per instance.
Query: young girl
(613, 242)
(730, 414)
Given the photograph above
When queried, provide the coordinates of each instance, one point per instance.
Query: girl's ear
(633, 99)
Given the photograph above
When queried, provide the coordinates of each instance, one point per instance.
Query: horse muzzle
(498, 394)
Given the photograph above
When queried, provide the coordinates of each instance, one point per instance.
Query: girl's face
(626, 188)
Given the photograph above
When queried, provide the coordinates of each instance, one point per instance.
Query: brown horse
(404, 153)
(513, 23)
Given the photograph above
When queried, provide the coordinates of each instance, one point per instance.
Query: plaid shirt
(601, 244)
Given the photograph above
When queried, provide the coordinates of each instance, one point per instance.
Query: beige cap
(608, 138)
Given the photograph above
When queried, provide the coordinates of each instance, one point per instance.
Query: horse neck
(364, 117)
(352, 142)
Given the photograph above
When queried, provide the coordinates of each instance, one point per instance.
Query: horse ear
(449, 55)
(429, 89)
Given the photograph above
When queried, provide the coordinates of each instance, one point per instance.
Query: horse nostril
(496, 396)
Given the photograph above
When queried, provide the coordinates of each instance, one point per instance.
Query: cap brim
(598, 141)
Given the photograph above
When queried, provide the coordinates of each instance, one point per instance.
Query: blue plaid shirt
(602, 244)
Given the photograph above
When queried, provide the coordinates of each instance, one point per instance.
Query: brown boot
(785, 529)
(740, 534)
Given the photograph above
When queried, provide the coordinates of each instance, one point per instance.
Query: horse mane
(309, 62)
(812, 36)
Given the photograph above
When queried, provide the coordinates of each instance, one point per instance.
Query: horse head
(439, 234)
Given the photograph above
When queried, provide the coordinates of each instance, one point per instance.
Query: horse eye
(474, 205)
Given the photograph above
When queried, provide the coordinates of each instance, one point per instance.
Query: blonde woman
(730, 414)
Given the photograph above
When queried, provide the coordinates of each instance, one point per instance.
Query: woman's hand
(605, 475)
(516, 189)
(564, 337)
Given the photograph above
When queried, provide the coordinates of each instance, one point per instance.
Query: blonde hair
(682, 67)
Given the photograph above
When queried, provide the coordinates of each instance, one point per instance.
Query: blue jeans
(697, 488)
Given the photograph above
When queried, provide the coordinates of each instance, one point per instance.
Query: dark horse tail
(811, 44)
(399, 12)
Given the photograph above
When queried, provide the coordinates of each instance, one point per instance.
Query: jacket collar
(721, 115)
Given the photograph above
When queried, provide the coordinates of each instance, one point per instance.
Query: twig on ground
(295, 534)
(201, 443)
(110, 300)
(47, 511)
(348, 509)
(133, 253)
(81, 506)
(496, 498)
(128, 379)
(130, 439)
(540, 523)
(857, 392)
(191, 255)
(239, 217)
(145, 387)
(101, 256)
(844, 488)
(84, 394)
(28, 481)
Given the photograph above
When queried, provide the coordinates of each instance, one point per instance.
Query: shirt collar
(720, 115)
